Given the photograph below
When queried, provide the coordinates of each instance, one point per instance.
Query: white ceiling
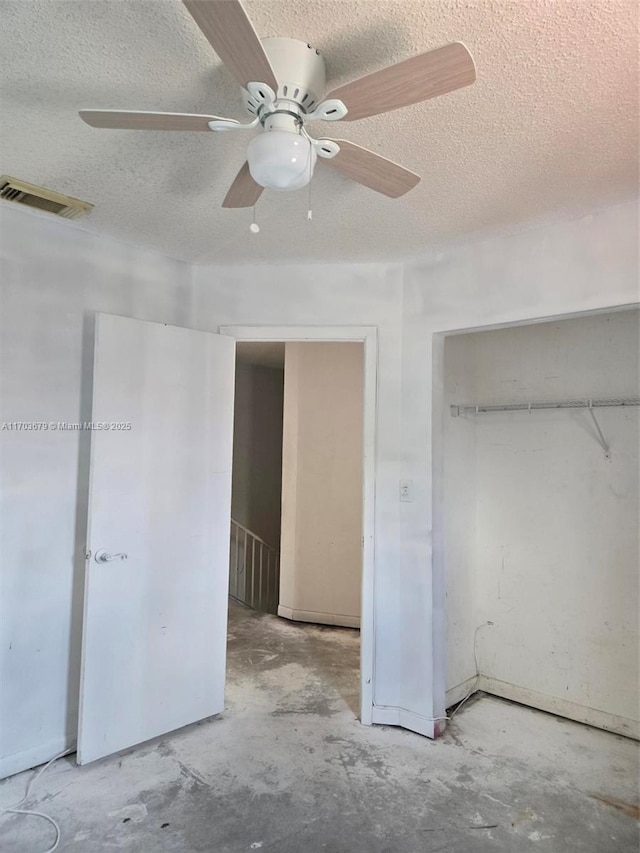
(550, 129)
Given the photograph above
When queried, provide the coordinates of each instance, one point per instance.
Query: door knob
(103, 556)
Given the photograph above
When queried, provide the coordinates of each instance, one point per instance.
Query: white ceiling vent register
(41, 198)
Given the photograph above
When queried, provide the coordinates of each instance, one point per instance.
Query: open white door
(154, 636)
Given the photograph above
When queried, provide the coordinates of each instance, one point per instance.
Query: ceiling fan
(283, 82)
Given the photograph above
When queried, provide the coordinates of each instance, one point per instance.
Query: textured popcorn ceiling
(549, 129)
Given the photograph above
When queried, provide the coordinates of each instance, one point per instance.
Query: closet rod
(457, 410)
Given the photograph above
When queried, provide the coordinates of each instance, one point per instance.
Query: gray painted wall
(257, 450)
(54, 279)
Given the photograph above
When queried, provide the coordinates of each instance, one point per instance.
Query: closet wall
(541, 527)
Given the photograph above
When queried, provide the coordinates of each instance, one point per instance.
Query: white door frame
(368, 336)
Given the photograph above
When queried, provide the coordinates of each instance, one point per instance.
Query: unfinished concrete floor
(288, 769)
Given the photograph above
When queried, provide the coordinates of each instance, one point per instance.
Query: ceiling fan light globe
(281, 160)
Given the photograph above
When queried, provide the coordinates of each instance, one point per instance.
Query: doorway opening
(295, 575)
(173, 522)
(296, 507)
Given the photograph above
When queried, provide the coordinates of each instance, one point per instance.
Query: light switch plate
(406, 490)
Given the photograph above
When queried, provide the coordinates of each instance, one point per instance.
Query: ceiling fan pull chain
(254, 227)
(309, 211)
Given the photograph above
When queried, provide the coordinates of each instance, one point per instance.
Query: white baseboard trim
(337, 619)
(28, 758)
(456, 694)
(561, 707)
(385, 716)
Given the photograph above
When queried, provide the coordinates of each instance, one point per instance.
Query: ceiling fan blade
(244, 191)
(409, 82)
(131, 120)
(231, 34)
(376, 172)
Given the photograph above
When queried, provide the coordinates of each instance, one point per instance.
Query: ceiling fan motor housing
(300, 71)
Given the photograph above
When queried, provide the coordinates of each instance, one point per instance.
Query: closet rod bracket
(601, 438)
